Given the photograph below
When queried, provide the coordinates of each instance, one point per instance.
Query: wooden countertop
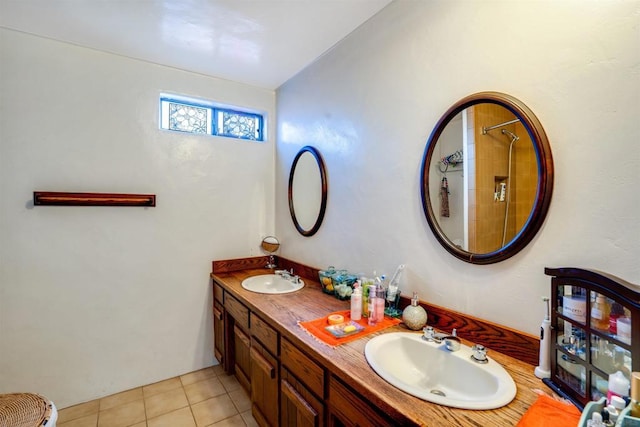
(347, 361)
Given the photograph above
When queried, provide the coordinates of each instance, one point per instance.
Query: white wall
(370, 104)
(96, 300)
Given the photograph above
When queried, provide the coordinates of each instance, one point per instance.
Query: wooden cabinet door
(242, 348)
(299, 407)
(348, 409)
(264, 385)
(218, 332)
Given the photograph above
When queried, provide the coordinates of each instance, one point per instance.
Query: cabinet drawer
(238, 311)
(265, 334)
(218, 293)
(302, 367)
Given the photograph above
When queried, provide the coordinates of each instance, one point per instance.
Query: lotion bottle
(356, 302)
(414, 316)
(372, 306)
(618, 386)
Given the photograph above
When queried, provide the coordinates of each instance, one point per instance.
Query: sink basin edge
(418, 367)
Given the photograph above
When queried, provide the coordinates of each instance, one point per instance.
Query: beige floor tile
(142, 424)
(203, 390)
(247, 416)
(78, 411)
(162, 403)
(86, 421)
(230, 382)
(213, 410)
(235, 421)
(123, 415)
(120, 398)
(194, 377)
(240, 399)
(161, 387)
(180, 418)
(218, 370)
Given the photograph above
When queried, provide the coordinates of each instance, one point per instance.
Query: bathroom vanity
(295, 380)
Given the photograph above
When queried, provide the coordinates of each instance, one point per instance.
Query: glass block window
(201, 118)
(238, 125)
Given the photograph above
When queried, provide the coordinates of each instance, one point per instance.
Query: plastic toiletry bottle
(596, 420)
(365, 284)
(600, 313)
(380, 299)
(414, 316)
(372, 306)
(614, 409)
(635, 394)
(356, 302)
(618, 386)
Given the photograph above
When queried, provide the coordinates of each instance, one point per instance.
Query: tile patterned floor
(205, 398)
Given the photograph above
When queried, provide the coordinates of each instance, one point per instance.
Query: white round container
(575, 308)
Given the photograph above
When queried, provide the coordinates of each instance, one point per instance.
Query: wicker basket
(24, 410)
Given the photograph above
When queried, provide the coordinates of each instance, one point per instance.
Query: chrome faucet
(288, 275)
(271, 263)
(451, 341)
(284, 273)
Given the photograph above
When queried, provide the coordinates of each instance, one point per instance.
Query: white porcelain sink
(271, 284)
(430, 372)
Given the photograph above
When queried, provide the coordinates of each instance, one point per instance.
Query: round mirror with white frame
(307, 191)
(487, 178)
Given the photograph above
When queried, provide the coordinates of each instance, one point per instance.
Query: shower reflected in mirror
(487, 178)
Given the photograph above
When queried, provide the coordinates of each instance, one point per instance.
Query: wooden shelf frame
(53, 198)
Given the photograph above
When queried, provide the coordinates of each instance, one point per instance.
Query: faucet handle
(479, 354)
(428, 333)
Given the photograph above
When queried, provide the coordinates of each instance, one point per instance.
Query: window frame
(214, 126)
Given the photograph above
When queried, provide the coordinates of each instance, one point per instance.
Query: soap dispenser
(414, 316)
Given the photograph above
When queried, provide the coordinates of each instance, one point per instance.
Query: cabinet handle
(298, 401)
(217, 313)
(263, 363)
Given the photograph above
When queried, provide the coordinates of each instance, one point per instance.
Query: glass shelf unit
(595, 332)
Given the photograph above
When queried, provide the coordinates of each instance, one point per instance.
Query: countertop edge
(348, 363)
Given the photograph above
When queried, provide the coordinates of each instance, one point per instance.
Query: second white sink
(271, 284)
(430, 372)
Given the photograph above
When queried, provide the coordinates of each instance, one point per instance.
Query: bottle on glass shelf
(617, 311)
(600, 313)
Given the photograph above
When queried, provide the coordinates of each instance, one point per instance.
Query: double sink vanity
(294, 379)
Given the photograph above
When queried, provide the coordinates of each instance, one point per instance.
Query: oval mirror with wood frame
(486, 178)
(307, 191)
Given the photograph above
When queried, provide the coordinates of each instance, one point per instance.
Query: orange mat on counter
(549, 412)
(316, 328)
